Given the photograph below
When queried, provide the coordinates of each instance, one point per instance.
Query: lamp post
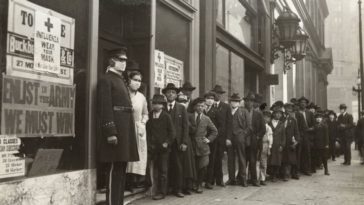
(357, 90)
(361, 52)
(292, 39)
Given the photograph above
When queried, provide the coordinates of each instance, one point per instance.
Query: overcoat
(116, 118)
(346, 132)
(223, 123)
(289, 151)
(279, 140)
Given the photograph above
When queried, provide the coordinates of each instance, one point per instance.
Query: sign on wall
(159, 69)
(32, 108)
(10, 165)
(174, 71)
(40, 43)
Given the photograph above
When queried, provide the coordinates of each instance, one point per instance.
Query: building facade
(308, 77)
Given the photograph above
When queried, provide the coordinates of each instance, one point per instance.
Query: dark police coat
(289, 151)
(116, 118)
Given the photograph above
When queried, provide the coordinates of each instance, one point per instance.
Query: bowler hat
(235, 97)
(303, 99)
(251, 97)
(342, 106)
(197, 101)
(331, 112)
(158, 99)
(210, 94)
(218, 89)
(187, 86)
(119, 53)
(170, 86)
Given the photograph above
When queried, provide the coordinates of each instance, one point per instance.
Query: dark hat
(182, 98)
(263, 106)
(304, 99)
(279, 104)
(197, 101)
(218, 89)
(342, 106)
(294, 100)
(331, 112)
(288, 106)
(187, 86)
(319, 115)
(210, 94)
(170, 86)
(235, 97)
(311, 106)
(159, 99)
(119, 53)
(251, 97)
(267, 114)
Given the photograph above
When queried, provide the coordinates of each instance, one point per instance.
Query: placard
(40, 43)
(159, 69)
(10, 165)
(32, 108)
(174, 71)
(46, 161)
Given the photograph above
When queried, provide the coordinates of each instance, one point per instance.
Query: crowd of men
(187, 138)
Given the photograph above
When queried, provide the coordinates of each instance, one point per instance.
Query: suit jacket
(116, 118)
(205, 129)
(305, 124)
(279, 140)
(180, 122)
(258, 130)
(223, 119)
(346, 132)
(240, 130)
(321, 136)
(291, 130)
(212, 115)
(333, 130)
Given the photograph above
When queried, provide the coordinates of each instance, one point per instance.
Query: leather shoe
(186, 192)
(256, 184)
(327, 173)
(295, 177)
(158, 197)
(231, 183)
(208, 186)
(199, 190)
(263, 183)
(221, 184)
(244, 183)
(179, 195)
(307, 174)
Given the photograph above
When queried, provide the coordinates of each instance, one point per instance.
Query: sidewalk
(345, 186)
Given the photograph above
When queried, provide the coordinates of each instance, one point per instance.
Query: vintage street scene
(188, 102)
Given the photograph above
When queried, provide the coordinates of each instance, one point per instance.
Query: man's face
(234, 104)
(171, 95)
(120, 64)
(303, 104)
(342, 111)
(249, 104)
(277, 115)
(210, 100)
(312, 110)
(157, 107)
(331, 117)
(267, 119)
(199, 107)
(218, 96)
(318, 119)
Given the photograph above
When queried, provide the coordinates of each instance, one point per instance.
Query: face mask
(120, 66)
(134, 85)
(210, 102)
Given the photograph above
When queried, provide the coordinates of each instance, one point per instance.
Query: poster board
(40, 43)
(32, 108)
(10, 165)
(174, 71)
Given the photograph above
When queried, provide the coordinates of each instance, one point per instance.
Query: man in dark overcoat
(346, 132)
(256, 125)
(179, 117)
(305, 121)
(117, 144)
(292, 139)
(223, 119)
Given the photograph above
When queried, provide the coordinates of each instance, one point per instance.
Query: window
(222, 67)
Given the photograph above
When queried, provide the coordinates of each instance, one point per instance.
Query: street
(345, 186)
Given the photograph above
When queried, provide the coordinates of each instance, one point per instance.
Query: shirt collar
(172, 103)
(113, 70)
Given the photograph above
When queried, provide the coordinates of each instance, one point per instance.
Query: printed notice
(10, 165)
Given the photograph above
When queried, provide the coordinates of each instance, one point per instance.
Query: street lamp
(290, 37)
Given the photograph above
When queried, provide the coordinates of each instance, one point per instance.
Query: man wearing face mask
(346, 132)
(117, 143)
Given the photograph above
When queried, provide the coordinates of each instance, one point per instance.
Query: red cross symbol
(48, 24)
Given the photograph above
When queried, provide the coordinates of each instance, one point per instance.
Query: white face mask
(210, 102)
(134, 85)
(120, 66)
(234, 104)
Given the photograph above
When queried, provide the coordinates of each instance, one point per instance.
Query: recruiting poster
(10, 165)
(40, 43)
(159, 69)
(32, 108)
(174, 71)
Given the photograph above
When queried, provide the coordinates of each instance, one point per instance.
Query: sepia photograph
(181, 102)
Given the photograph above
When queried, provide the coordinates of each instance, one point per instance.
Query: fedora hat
(218, 89)
(159, 99)
(235, 97)
(197, 101)
(303, 99)
(170, 86)
(187, 86)
(119, 53)
(251, 97)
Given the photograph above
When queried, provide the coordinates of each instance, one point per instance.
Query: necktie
(198, 119)
(170, 108)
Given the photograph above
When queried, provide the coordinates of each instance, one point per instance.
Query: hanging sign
(10, 165)
(159, 69)
(33, 108)
(40, 43)
(174, 71)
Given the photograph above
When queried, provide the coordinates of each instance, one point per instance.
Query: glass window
(237, 74)
(238, 22)
(71, 151)
(222, 67)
